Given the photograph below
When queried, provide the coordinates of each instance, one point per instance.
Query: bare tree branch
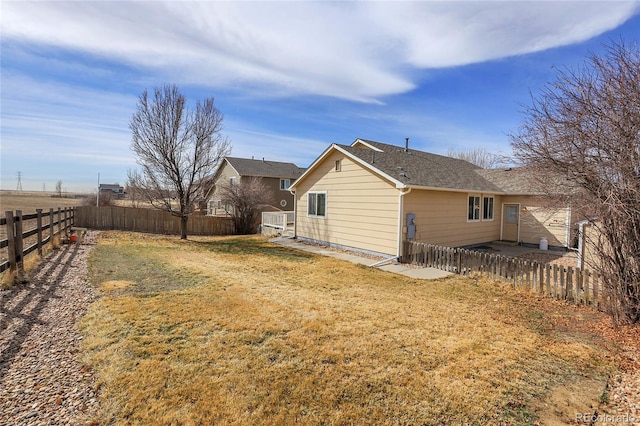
(479, 156)
(176, 149)
(585, 129)
(247, 198)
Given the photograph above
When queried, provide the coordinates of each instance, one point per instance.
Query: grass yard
(235, 330)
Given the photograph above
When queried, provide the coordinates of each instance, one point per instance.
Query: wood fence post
(548, 278)
(59, 221)
(19, 244)
(39, 227)
(51, 225)
(570, 295)
(579, 296)
(11, 240)
(586, 275)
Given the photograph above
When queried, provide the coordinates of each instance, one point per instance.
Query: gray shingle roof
(514, 180)
(423, 169)
(521, 180)
(265, 168)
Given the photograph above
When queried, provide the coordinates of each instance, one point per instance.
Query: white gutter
(400, 214)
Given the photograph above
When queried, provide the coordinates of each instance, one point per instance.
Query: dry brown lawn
(240, 331)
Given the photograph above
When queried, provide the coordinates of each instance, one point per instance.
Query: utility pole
(19, 186)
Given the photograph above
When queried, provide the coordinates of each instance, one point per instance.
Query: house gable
(361, 206)
(274, 175)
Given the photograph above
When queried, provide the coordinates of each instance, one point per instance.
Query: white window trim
(326, 204)
(286, 188)
(493, 210)
(479, 208)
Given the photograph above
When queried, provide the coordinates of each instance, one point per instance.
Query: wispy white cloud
(352, 50)
(55, 130)
(69, 70)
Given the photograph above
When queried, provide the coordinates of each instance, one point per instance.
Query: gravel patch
(42, 378)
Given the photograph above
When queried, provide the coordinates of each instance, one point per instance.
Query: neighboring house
(371, 196)
(277, 176)
(114, 189)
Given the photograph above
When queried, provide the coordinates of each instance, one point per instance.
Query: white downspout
(567, 242)
(581, 242)
(295, 215)
(400, 214)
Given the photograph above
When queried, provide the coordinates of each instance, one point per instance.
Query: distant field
(28, 202)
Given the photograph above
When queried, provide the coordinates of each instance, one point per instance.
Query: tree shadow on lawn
(250, 245)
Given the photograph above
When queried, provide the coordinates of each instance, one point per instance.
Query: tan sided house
(278, 177)
(372, 196)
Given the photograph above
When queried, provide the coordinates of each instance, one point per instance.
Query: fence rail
(278, 221)
(567, 283)
(149, 220)
(16, 236)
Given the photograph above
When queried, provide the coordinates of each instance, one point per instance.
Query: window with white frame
(285, 184)
(317, 204)
(473, 210)
(487, 208)
(232, 181)
(219, 205)
(338, 165)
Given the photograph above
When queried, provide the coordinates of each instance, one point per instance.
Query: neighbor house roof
(264, 168)
(413, 168)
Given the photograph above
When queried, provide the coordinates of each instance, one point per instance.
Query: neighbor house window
(473, 212)
(338, 165)
(317, 204)
(232, 181)
(285, 184)
(220, 204)
(487, 208)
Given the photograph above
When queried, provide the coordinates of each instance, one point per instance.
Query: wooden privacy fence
(19, 230)
(567, 283)
(149, 220)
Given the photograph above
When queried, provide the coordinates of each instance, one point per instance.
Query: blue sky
(290, 77)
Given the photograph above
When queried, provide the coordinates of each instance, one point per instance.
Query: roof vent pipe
(406, 144)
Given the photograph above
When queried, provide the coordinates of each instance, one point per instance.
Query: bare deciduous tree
(134, 195)
(585, 128)
(59, 188)
(176, 149)
(106, 198)
(479, 156)
(247, 198)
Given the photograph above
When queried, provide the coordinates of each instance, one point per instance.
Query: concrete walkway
(394, 267)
